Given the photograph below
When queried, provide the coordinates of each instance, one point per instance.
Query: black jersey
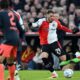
(9, 25)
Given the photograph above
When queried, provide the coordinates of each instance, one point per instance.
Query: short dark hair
(4, 4)
(49, 11)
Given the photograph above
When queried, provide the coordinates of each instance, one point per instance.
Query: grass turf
(44, 75)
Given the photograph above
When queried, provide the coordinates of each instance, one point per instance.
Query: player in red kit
(49, 40)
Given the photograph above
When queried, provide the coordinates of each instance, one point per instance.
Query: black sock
(48, 64)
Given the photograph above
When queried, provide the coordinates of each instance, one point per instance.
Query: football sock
(1, 72)
(11, 69)
(48, 65)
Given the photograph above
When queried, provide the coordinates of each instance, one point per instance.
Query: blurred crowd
(31, 10)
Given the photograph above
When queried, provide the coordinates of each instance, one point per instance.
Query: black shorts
(54, 48)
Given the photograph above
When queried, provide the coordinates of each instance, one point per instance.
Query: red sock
(11, 71)
(1, 72)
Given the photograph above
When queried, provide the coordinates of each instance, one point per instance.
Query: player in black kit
(10, 27)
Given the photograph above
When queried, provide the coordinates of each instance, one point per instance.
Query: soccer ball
(68, 73)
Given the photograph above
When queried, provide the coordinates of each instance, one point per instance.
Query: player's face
(50, 17)
(56, 15)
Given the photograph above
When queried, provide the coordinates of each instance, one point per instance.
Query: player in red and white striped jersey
(49, 40)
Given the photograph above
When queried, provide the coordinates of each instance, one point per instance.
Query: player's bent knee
(44, 55)
(63, 58)
(10, 60)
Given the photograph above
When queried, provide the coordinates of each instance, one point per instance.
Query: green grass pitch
(44, 75)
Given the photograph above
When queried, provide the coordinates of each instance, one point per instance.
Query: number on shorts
(58, 51)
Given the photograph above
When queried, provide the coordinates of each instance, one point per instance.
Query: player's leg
(63, 57)
(61, 54)
(2, 57)
(58, 51)
(1, 68)
(48, 60)
(11, 67)
(18, 65)
(45, 55)
(18, 62)
(12, 51)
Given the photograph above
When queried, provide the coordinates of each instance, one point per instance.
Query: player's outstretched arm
(64, 28)
(35, 24)
(38, 23)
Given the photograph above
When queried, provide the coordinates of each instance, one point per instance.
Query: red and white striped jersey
(47, 31)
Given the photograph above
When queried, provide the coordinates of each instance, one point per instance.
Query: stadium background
(31, 11)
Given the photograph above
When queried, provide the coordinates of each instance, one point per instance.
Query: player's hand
(75, 30)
